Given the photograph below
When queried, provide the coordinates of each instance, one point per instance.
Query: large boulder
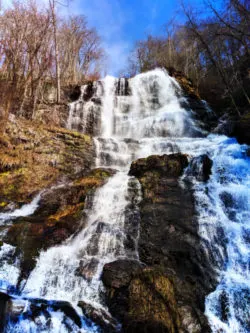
(117, 277)
(168, 295)
(152, 304)
(119, 273)
(172, 165)
(149, 302)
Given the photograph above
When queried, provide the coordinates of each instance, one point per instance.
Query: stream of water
(136, 118)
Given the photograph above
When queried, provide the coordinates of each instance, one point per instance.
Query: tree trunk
(58, 83)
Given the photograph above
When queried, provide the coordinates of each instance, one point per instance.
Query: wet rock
(229, 205)
(200, 110)
(172, 164)
(116, 277)
(4, 298)
(118, 274)
(200, 167)
(122, 88)
(205, 117)
(225, 125)
(59, 215)
(96, 100)
(169, 232)
(73, 93)
(16, 307)
(100, 317)
(31, 309)
(150, 304)
(224, 306)
(185, 83)
(168, 295)
(89, 92)
(189, 321)
(68, 310)
(87, 269)
(234, 126)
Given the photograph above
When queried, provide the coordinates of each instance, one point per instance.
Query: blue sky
(121, 22)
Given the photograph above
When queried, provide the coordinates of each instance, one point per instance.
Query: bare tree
(33, 47)
(54, 23)
(80, 49)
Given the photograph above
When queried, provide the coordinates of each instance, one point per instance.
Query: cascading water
(131, 119)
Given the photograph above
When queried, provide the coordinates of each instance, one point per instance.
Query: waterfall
(132, 119)
(25, 210)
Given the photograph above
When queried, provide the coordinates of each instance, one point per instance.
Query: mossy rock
(158, 307)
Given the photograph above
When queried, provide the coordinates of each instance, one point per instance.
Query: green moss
(88, 139)
(4, 174)
(100, 173)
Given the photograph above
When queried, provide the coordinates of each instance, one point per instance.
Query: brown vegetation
(34, 156)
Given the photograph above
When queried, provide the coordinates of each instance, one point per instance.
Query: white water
(150, 120)
(101, 241)
(9, 269)
(25, 210)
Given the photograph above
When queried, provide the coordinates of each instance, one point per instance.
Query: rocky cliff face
(35, 156)
(57, 163)
(165, 291)
(61, 213)
(201, 111)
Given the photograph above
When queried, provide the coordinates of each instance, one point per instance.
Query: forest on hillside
(211, 48)
(40, 49)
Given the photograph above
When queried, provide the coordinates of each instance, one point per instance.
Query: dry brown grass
(35, 156)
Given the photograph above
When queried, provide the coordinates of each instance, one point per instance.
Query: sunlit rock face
(168, 230)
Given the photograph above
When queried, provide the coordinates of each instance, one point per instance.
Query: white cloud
(117, 53)
(110, 21)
